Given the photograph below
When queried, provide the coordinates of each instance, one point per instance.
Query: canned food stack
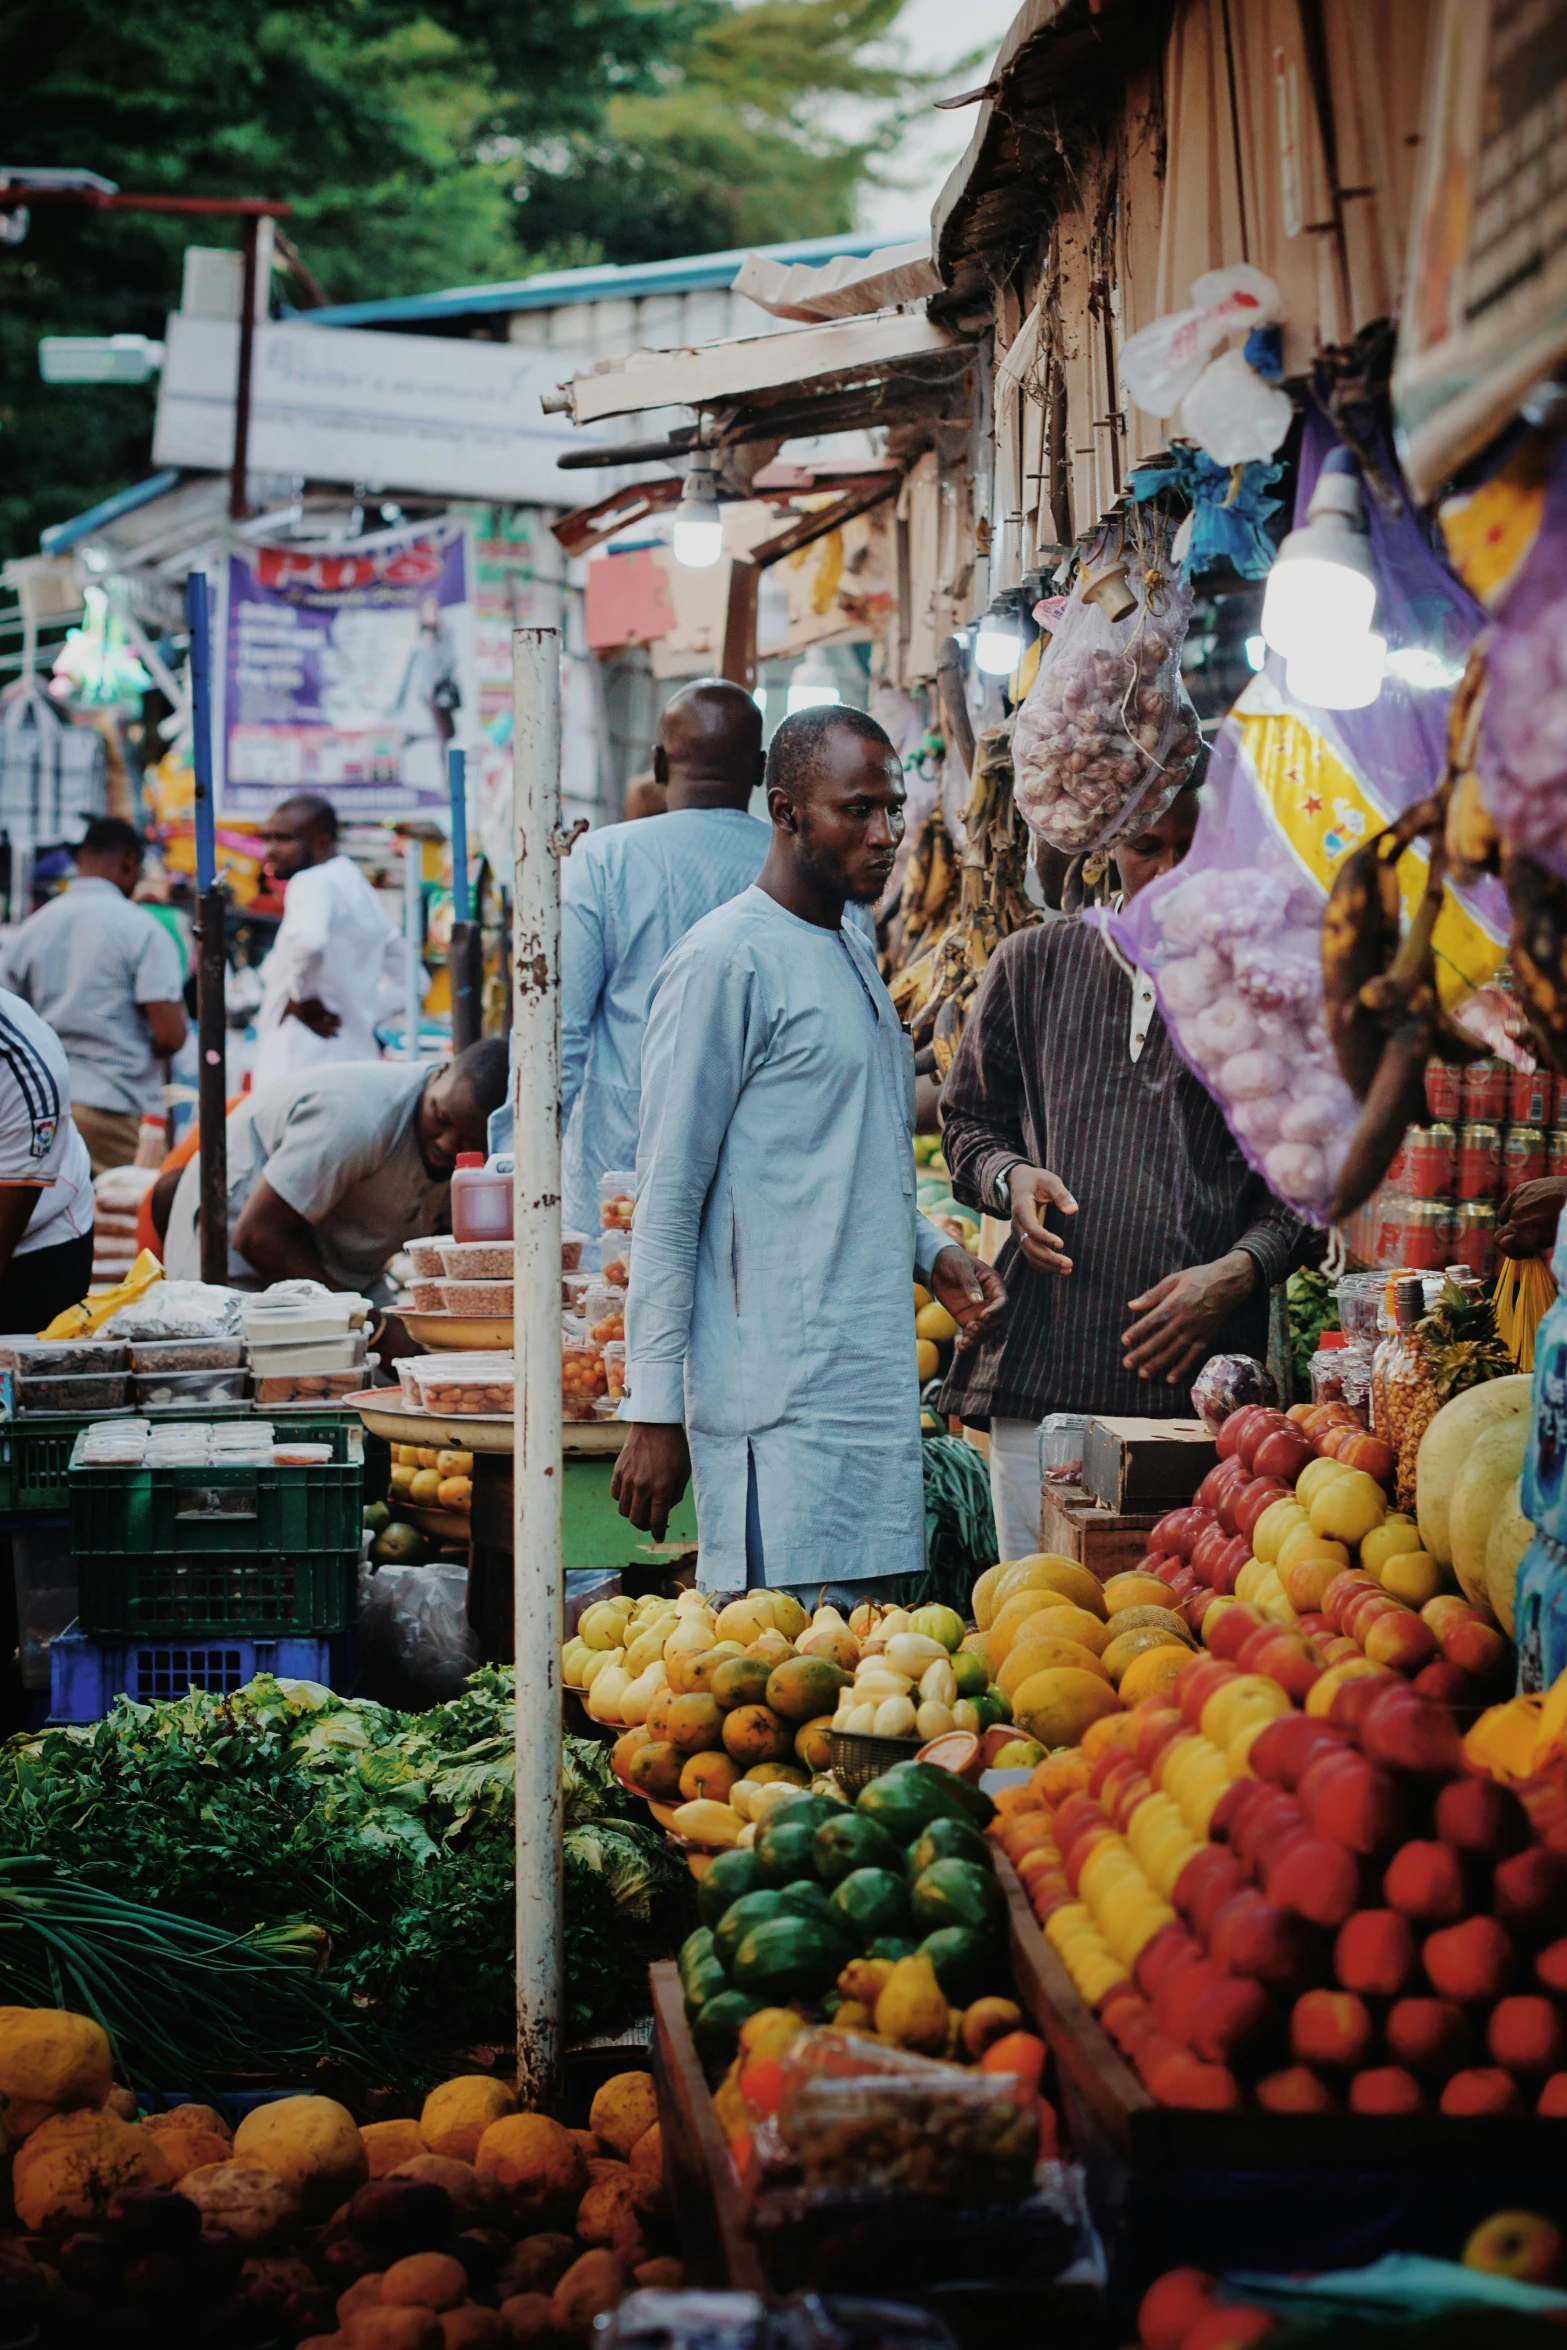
(593, 1315)
(1491, 1128)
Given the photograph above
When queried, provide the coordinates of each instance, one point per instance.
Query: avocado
(945, 1840)
(731, 1874)
(956, 1893)
(852, 1841)
(787, 1957)
(874, 1902)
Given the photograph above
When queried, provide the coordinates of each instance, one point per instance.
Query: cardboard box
(1135, 1464)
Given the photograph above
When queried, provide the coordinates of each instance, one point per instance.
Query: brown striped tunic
(1044, 1074)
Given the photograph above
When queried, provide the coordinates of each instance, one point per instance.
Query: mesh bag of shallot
(1107, 734)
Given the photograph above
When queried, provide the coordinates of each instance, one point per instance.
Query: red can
(1444, 1090)
(1556, 1151)
(1479, 1161)
(1427, 1234)
(1474, 1237)
(1531, 1100)
(1487, 1085)
(1561, 1100)
(1525, 1156)
(1430, 1160)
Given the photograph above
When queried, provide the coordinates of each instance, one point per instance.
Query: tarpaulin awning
(846, 287)
(800, 359)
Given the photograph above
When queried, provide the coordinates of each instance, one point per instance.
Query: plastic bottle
(481, 1200)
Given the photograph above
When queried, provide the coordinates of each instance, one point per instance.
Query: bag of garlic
(1107, 733)
(1232, 937)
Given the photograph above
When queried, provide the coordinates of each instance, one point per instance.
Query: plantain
(1395, 1101)
(1359, 940)
(1538, 901)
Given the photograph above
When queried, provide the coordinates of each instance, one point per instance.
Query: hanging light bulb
(1322, 590)
(1341, 675)
(998, 643)
(699, 528)
(812, 682)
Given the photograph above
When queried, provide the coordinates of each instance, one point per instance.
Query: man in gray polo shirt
(106, 977)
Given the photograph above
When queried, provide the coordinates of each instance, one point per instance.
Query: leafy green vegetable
(284, 1804)
(960, 1524)
(1313, 1308)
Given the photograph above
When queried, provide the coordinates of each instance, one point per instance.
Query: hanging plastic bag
(1232, 938)
(1233, 415)
(1523, 731)
(1107, 734)
(1160, 365)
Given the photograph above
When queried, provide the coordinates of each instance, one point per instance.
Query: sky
(934, 37)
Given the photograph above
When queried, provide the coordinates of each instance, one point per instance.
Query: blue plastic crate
(87, 1675)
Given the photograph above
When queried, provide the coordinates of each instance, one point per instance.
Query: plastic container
(617, 1198)
(87, 1675)
(572, 1245)
(297, 1387)
(481, 1200)
(300, 1454)
(425, 1297)
(459, 1386)
(1327, 1367)
(172, 1390)
(238, 1501)
(240, 1592)
(1061, 1438)
(479, 1260)
(301, 1324)
(615, 1369)
(583, 1378)
(615, 1260)
(60, 1357)
(45, 1575)
(605, 1313)
(188, 1354)
(81, 1391)
(574, 1289)
(489, 1300)
(310, 1354)
(425, 1258)
(1359, 1297)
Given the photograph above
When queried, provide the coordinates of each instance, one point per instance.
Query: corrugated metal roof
(62, 535)
(609, 282)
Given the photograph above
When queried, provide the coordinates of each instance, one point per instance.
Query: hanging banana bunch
(933, 992)
(930, 882)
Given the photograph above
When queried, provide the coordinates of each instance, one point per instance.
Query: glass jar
(1479, 1173)
(1430, 1158)
(1359, 1299)
(1487, 1086)
(1531, 1097)
(1061, 1436)
(1474, 1237)
(1327, 1367)
(1444, 1090)
(1525, 1156)
(1397, 1373)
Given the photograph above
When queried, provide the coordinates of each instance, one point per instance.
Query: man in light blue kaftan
(776, 1231)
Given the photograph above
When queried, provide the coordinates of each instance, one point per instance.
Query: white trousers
(1014, 1486)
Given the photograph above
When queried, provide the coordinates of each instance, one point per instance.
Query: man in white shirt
(105, 976)
(46, 1194)
(337, 964)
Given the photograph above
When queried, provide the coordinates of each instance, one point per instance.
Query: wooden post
(239, 497)
(538, 1572)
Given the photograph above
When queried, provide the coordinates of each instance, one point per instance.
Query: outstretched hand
(972, 1292)
(1179, 1317)
(1033, 1189)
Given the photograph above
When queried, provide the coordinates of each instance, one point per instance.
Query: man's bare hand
(1527, 1226)
(971, 1291)
(1034, 1189)
(1178, 1317)
(651, 1474)
(314, 1015)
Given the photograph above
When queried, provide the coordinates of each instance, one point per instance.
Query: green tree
(390, 125)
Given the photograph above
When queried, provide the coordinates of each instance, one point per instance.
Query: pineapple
(1456, 1347)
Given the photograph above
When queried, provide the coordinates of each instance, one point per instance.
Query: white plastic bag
(179, 1309)
(1107, 734)
(1232, 414)
(1160, 365)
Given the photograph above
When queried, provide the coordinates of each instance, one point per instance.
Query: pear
(599, 1660)
(608, 1692)
(830, 1637)
(771, 1646)
(637, 1699)
(643, 1650)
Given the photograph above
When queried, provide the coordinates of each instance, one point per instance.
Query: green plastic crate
(210, 1508)
(36, 1448)
(246, 1596)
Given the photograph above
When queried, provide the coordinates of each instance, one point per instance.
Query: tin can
(1531, 1100)
(1444, 1090)
(1474, 1237)
(1430, 1160)
(1556, 1151)
(1479, 1161)
(1487, 1085)
(1397, 1176)
(1525, 1155)
(1424, 1232)
(1560, 1084)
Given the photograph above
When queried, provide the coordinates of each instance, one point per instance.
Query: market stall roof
(1062, 61)
(756, 368)
(847, 287)
(610, 281)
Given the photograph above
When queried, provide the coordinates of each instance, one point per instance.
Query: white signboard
(399, 412)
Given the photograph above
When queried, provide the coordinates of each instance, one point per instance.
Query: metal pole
(239, 501)
(538, 1576)
(462, 962)
(413, 939)
(212, 954)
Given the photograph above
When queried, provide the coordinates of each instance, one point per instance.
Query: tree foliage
(421, 143)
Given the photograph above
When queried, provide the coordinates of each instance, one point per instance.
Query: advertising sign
(348, 669)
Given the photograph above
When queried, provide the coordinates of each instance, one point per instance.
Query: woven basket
(856, 1759)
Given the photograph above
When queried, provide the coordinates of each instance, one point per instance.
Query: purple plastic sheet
(1232, 938)
(1523, 732)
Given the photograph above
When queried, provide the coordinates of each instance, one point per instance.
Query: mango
(803, 1686)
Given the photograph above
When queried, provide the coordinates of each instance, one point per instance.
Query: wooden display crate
(1142, 1464)
(1076, 1526)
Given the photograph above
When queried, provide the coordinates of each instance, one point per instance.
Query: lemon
(926, 1360)
(935, 1323)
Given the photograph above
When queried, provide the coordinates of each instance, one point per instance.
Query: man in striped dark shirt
(1067, 1098)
